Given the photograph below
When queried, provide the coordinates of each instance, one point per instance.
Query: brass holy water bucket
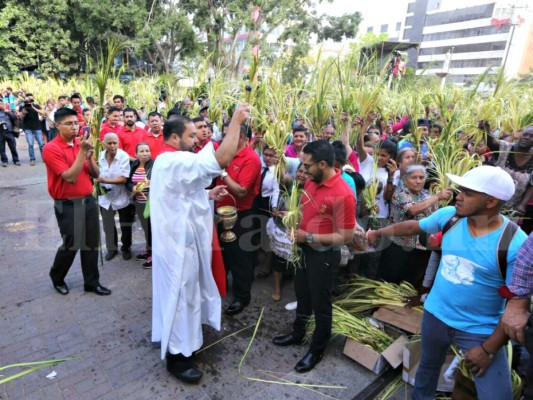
(227, 215)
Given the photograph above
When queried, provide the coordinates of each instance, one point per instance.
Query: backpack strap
(450, 224)
(504, 242)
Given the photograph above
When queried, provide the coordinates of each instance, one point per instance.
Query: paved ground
(111, 335)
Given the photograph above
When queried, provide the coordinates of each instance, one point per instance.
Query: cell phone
(86, 132)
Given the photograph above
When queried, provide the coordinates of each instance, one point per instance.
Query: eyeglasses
(307, 166)
(267, 155)
(69, 124)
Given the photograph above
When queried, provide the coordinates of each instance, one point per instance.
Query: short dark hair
(389, 146)
(113, 109)
(154, 114)
(320, 150)
(90, 99)
(118, 96)
(340, 152)
(439, 127)
(62, 97)
(198, 119)
(176, 124)
(246, 131)
(423, 122)
(85, 110)
(63, 113)
(300, 128)
(129, 109)
(29, 94)
(75, 96)
(359, 181)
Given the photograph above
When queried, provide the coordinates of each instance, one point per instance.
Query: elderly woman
(114, 166)
(405, 258)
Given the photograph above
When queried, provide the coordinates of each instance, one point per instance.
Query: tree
(28, 42)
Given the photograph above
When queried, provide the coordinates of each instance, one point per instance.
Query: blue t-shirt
(465, 292)
(349, 180)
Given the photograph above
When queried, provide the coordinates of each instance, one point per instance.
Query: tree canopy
(60, 35)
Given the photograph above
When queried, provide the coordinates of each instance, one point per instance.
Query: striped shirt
(138, 176)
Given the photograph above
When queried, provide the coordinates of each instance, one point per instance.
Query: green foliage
(340, 27)
(29, 41)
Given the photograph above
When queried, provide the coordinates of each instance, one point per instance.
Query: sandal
(276, 297)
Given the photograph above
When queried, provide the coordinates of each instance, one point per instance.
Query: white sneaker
(291, 306)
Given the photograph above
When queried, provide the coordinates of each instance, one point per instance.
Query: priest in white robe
(185, 295)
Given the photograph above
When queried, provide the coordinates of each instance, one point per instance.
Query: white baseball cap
(493, 181)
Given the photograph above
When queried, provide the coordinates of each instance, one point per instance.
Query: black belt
(81, 200)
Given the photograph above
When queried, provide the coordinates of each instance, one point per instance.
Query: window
(410, 8)
(466, 48)
(460, 15)
(370, 29)
(464, 33)
(398, 26)
(384, 28)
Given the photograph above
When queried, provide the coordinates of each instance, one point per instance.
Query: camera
(3, 126)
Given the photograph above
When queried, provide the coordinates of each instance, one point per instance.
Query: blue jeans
(30, 134)
(437, 337)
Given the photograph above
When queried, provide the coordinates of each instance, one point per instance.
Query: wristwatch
(223, 175)
(308, 237)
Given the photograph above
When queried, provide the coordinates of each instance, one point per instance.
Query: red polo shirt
(199, 148)
(328, 206)
(106, 128)
(127, 140)
(59, 156)
(155, 143)
(245, 169)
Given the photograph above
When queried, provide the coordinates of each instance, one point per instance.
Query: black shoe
(63, 289)
(308, 362)
(99, 290)
(183, 368)
(110, 255)
(17, 163)
(126, 255)
(235, 308)
(287, 340)
(143, 256)
(4, 164)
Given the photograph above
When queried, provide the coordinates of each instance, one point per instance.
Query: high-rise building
(464, 39)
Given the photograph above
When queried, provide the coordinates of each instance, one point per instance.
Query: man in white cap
(465, 304)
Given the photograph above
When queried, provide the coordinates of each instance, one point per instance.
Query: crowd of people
(171, 173)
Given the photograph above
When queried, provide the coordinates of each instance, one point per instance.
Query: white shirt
(365, 169)
(270, 186)
(117, 196)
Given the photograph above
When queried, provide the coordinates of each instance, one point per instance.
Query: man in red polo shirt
(70, 166)
(328, 222)
(129, 134)
(243, 179)
(202, 134)
(112, 122)
(75, 100)
(154, 136)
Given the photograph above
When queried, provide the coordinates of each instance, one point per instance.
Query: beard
(130, 123)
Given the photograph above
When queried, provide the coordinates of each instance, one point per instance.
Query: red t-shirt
(59, 156)
(198, 148)
(155, 143)
(106, 128)
(353, 160)
(328, 206)
(127, 140)
(245, 169)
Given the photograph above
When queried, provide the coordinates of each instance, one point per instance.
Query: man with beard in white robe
(185, 294)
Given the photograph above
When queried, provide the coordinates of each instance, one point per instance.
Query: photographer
(29, 114)
(7, 122)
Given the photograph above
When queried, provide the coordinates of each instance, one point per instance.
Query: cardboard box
(374, 360)
(411, 360)
(404, 318)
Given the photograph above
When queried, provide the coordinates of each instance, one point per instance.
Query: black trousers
(239, 256)
(79, 228)
(12, 143)
(313, 285)
(145, 223)
(403, 264)
(126, 217)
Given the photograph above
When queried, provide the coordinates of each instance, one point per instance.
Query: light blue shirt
(349, 180)
(465, 293)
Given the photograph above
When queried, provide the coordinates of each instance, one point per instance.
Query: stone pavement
(111, 335)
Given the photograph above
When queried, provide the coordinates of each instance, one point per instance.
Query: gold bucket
(228, 216)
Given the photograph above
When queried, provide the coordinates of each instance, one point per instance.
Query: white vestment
(185, 294)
